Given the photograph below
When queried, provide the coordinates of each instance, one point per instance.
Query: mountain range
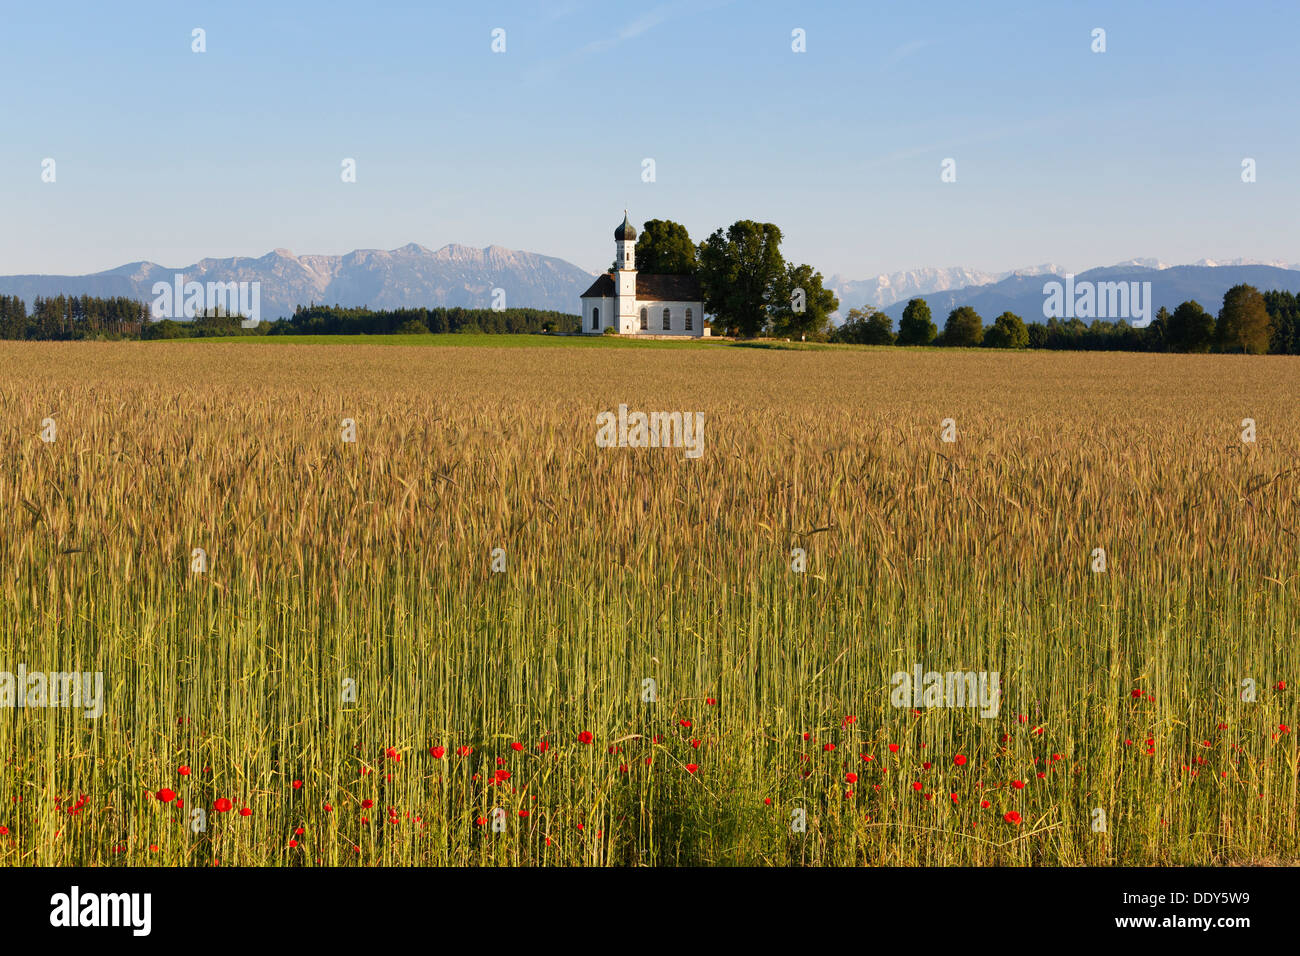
(888, 289)
(454, 275)
(458, 275)
(1024, 294)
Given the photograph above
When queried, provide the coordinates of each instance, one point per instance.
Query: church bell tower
(625, 277)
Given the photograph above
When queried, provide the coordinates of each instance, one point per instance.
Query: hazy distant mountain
(1170, 286)
(886, 290)
(410, 276)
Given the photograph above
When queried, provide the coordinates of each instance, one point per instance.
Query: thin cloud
(902, 53)
(630, 31)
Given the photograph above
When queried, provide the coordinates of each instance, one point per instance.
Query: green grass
(460, 340)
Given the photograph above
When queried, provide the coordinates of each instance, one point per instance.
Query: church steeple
(625, 246)
(625, 230)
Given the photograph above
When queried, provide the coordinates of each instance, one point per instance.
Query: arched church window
(688, 320)
(595, 318)
(667, 324)
(645, 318)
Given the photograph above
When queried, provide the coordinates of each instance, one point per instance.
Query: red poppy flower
(851, 777)
(1018, 784)
(437, 752)
(516, 746)
(585, 737)
(297, 785)
(985, 804)
(917, 786)
(166, 795)
(222, 805)
(463, 751)
(392, 754)
(1012, 817)
(367, 803)
(684, 722)
(959, 760)
(893, 748)
(692, 767)
(183, 770)
(828, 747)
(245, 812)
(543, 746)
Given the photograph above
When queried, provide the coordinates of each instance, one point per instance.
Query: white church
(638, 303)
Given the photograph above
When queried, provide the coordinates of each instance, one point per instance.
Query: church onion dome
(626, 231)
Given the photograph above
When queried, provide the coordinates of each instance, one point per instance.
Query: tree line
(1249, 321)
(66, 317)
(77, 318)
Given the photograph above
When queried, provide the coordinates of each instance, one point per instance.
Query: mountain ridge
(455, 274)
(408, 276)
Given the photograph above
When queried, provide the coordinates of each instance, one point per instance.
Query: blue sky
(1062, 154)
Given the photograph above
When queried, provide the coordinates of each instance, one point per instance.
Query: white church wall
(607, 316)
(676, 318)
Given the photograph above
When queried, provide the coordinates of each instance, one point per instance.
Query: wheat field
(346, 680)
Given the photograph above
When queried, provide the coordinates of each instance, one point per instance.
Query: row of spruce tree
(72, 318)
(1249, 321)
